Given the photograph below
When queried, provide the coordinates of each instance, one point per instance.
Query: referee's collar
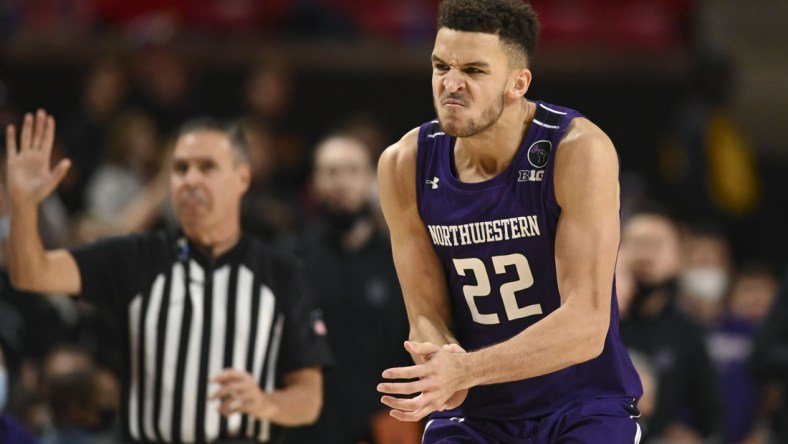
(187, 249)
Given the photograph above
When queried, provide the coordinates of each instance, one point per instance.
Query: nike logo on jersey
(433, 182)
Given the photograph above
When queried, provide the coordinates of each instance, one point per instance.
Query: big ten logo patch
(530, 175)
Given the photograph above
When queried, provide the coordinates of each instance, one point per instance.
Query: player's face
(469, 77)
(343, 175)
(207, 182)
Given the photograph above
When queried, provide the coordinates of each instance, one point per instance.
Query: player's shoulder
(400, 157)
(585, 142)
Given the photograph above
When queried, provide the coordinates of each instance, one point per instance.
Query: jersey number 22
(507, 290)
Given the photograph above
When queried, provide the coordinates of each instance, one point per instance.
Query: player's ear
(521, 82)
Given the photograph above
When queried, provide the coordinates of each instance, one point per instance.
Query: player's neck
(487, 154)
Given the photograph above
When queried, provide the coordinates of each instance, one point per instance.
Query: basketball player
(504, 217)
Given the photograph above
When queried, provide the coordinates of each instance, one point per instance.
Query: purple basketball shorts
(595, 421)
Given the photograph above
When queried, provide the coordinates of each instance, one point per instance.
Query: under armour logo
(433, 182)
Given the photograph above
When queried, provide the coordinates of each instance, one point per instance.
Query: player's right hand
(30, 178)
(459, 396)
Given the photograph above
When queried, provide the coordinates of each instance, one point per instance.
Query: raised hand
(30, 178)
(439, 385)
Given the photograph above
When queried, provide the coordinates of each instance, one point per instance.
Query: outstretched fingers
(10, 142)
(58, 173)
(27, 133)
(48, 139)
(38, 130)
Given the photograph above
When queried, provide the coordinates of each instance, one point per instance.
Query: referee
(221, 339)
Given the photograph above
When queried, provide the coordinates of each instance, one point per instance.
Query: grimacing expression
(470, 73)
(207, 180)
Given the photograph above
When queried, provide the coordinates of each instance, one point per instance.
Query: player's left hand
(239, 393)
(439, 385)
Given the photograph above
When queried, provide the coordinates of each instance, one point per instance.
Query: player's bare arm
(297, 404)
(586, 186)
(587, 238)
(30, 179)
(420, 273)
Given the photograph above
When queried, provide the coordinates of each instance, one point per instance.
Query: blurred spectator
(131, 160)
(367, 130)
(625, 285)
(687, 404)
(84, 406)
(11, 430)
(730, 347)
(708, 164)
(706, 274)
(163, 87)
(268, 99)
(352, 273)
(265, 212)
(770, 356)
(64, 359)
(84, 130)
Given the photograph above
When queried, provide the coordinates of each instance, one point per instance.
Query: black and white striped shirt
(188, 317)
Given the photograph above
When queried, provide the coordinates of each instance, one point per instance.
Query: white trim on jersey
(426, 426)
(546, 125)
(552, 110)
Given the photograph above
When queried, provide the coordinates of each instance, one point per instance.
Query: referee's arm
(298, 403)
(29, 180)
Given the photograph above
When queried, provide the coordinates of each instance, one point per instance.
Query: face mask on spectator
(707, 283)
(3, 388)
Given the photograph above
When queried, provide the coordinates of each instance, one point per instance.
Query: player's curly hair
(513, 21)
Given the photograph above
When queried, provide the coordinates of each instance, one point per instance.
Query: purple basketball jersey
(496, 240)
